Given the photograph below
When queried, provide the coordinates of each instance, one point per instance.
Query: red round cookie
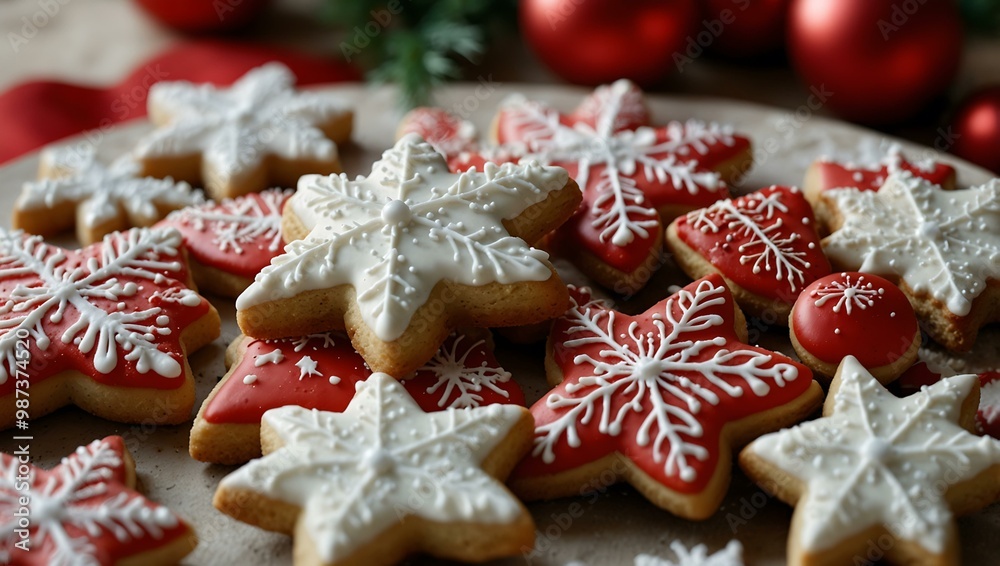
(855, 314)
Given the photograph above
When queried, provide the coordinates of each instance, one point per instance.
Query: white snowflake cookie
(76, 190)
(943, 248)
(402, 256)
(877, 469)
(384, 479)
(731, 555)
(257, 133)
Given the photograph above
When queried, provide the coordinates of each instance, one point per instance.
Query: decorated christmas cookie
(384, 479)
(448, 134)
(320, 372)
(731, 555)
(943, 248)
(75, 189)
(259, 132)
(764, 244)
(658, 400)
(107, 328)
(855, 314)
(879, 468)
(85, 511)
(229, 242)
(403, 256)
(988, 415)
(634, 177)
(826, 174)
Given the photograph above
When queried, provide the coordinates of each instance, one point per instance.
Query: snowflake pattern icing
(616, 155)
(666, 373)
(103, 191)
(731, 555)
(945, 243)
(877, 459)
(453, 372)
(353, 473)
(847, 294)
(80, 508)
(241, 221)
(409, 225)
(54, 283)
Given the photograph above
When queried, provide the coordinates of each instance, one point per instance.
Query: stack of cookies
(364, 399)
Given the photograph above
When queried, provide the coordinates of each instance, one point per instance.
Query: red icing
(278, 384)
(879, 328)
(454, 138)
(107, 549)
(988, 415)
(835, 175)
(160, 291)
(709, 334)
(238, 236)
(771, 219)
(611, 117)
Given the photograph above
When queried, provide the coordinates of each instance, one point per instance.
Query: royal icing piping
(879, 459)
(846, 295)
(103, 191)
(625, 169)
(450, 135)
(93, 309)
(354, 473)
(235, 128)
(396, 234)
(657, 388)
(80, 513)
(459, 384)
(239, 235)
(731, 555)
(273, 357)
(871, 175)
(945, 243)
(764, 241)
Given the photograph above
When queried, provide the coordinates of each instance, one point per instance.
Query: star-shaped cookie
(107, 328)
(383, 479)
(941, 247)
(85, 511)
(878, 467)
(403, 256)
(658, 399)
(259, 132)
(635, 177)
(77, 190)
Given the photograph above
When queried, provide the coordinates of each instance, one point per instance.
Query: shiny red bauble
(597, 41)
(883, 60)
(976, 129)
(203, 16)
(750, 28)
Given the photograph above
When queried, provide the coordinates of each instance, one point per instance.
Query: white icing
(847, 294)
(880, 460)
(989, 401)
(249, 379)
(59, 286)
(103, 192)
(642, 369)
(235, 128)
(307, 368)
(448, 134)
(396, 234)
(449, 365)
(234, 223)
(945, 243)
(754, 217)
(731, 555)
(76, 498)
(273, 357)
(357, 473)
(617, 155)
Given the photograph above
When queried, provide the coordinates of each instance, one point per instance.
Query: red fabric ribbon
(36, 113)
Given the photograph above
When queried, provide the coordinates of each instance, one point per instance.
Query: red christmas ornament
(883, 60)
(202, 16)
(743, 28)
(598, 41)
(976, 129)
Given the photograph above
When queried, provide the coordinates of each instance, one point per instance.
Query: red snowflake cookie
(656, 399)
(765, 244)
(113, 321)
(85, 511)
(855, 314)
